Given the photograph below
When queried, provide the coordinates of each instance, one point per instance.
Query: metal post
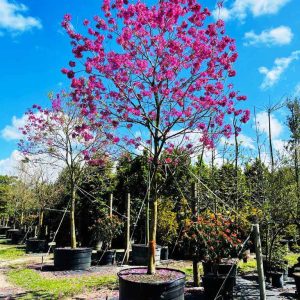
(127, 228)
(259, 260)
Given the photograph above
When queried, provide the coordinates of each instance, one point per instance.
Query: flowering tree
(165, 78)
(58, 136)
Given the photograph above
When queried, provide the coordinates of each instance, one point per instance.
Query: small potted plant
(215, 241)
(105, 229)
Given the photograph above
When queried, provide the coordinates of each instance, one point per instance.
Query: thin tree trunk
(72, 217)
(41, 222)
(152, 236)
(270, 140)
(257, 136)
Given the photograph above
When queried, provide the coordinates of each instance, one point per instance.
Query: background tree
(59, 137)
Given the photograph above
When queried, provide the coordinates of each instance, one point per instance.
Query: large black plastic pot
(277, 279)
(17, 237)
(72, 259)
(297, 282)
(144, 289)
(213, 285)
(4, 229)
(221, 268)
(36, 245)
(140, 254)
(9, 232)
(104, 258)
(164, 254)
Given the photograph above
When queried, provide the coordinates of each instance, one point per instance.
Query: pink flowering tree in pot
(165, 78)
(59, 137)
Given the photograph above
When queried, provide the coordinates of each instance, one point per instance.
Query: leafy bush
(211, 237)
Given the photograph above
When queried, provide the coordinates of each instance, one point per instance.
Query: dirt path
(7, 290)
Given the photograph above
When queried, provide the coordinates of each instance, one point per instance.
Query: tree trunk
(41, 221)
(152, 236)
(72, 217)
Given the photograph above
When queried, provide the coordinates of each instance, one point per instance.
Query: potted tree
(164, 81)
(214, 240)
(57, 136)
(106, 229)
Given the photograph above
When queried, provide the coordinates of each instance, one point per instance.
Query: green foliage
(106, 229)
(10, 253)
(58, 288)
(249, 267)
(167, 224)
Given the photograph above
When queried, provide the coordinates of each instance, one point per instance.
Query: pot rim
(119, 274)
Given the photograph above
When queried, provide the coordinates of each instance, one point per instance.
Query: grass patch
(248, 267)
(11, 253)
(292, 258)
(57, 288)
(189, 272)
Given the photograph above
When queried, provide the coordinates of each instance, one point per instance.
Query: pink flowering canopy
(165, 77)
(61, 136)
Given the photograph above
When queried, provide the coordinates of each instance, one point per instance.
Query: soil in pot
(72, 259)
(213, 285)
(35, 245)
(107, 257)
(140, 254)
(136, 284)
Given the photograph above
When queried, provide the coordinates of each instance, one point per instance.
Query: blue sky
(34, 48)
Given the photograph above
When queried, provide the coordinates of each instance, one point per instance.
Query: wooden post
(127, 228)
(111, 197)
(259, 260)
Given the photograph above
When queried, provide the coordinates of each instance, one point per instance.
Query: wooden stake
(259, 260)
(127, 228)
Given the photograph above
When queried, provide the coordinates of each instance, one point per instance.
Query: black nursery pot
(4, 229)
(140, 254)
(277, 279)
(9, 232)
(36, 245)
(296, 276)
(134, 284)
(104, 258)
(164, 254)
(17, 237)
(213, 284)
(72, 259)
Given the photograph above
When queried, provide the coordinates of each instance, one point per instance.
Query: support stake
(127, 228)
(259, 260)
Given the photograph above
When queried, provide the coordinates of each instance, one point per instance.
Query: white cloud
(12, 18)
(273, 75)
(240, 8)
(8, 166)
(11, 132)
(244, 140)
(281, 35)
(263, 124)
